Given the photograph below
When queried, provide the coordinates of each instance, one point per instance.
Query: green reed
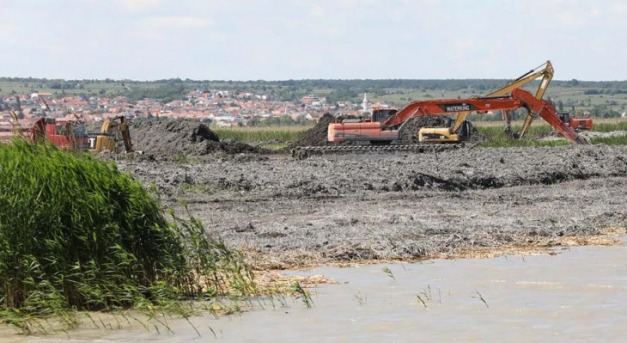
(78, 234)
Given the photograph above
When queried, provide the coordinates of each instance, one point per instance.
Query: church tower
(364, 104)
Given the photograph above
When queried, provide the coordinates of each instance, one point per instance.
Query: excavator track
(306, 151)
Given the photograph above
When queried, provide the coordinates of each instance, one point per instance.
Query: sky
(312, 39)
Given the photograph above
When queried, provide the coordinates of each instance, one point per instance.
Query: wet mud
(286, 213)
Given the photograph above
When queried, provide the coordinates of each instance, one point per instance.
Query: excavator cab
(564, 116)
(577, 124)
(382, 114)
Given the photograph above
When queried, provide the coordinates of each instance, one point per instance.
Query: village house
(222, 107)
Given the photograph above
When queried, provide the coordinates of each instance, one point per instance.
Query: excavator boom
(448, 106)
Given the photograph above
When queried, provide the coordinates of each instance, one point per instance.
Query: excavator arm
(545, 71)
(448, 106)
(546, 110)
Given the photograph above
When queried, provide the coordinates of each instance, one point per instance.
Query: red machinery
(388, 131)
(577, 124)
(65, 134)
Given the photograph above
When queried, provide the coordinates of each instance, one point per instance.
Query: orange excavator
(388, 130)
(459, 128)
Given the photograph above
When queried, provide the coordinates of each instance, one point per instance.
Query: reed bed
(607, 126)
(262, 134)
(494, 136)
(77, 234)
(610, 140)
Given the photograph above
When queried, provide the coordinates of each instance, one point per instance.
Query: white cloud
(620, 7)
(283, 39)
(7, 30)
(178, 22)
(317, 11)
(576, 18)
(140, 5)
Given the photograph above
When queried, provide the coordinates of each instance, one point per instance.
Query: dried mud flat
(286, 213)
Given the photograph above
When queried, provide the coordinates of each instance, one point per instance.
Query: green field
(263, 134)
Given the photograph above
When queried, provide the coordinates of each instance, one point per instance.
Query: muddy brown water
(575, 294)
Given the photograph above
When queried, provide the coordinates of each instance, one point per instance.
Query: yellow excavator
(112, 132)
(460, 128)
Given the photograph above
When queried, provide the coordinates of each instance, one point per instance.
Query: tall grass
(495, 137)
(262, 134)
(76, 233)
(610, 126)
(610, 140)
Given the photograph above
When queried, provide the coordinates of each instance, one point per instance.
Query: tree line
(287, 90)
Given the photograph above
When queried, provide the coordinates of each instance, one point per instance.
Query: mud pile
(187, 137)
(317, 135)
(352, 207)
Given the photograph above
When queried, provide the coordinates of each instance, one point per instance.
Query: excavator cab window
(565, 117)
(382, 115)
(60, 129)
(80, 130)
